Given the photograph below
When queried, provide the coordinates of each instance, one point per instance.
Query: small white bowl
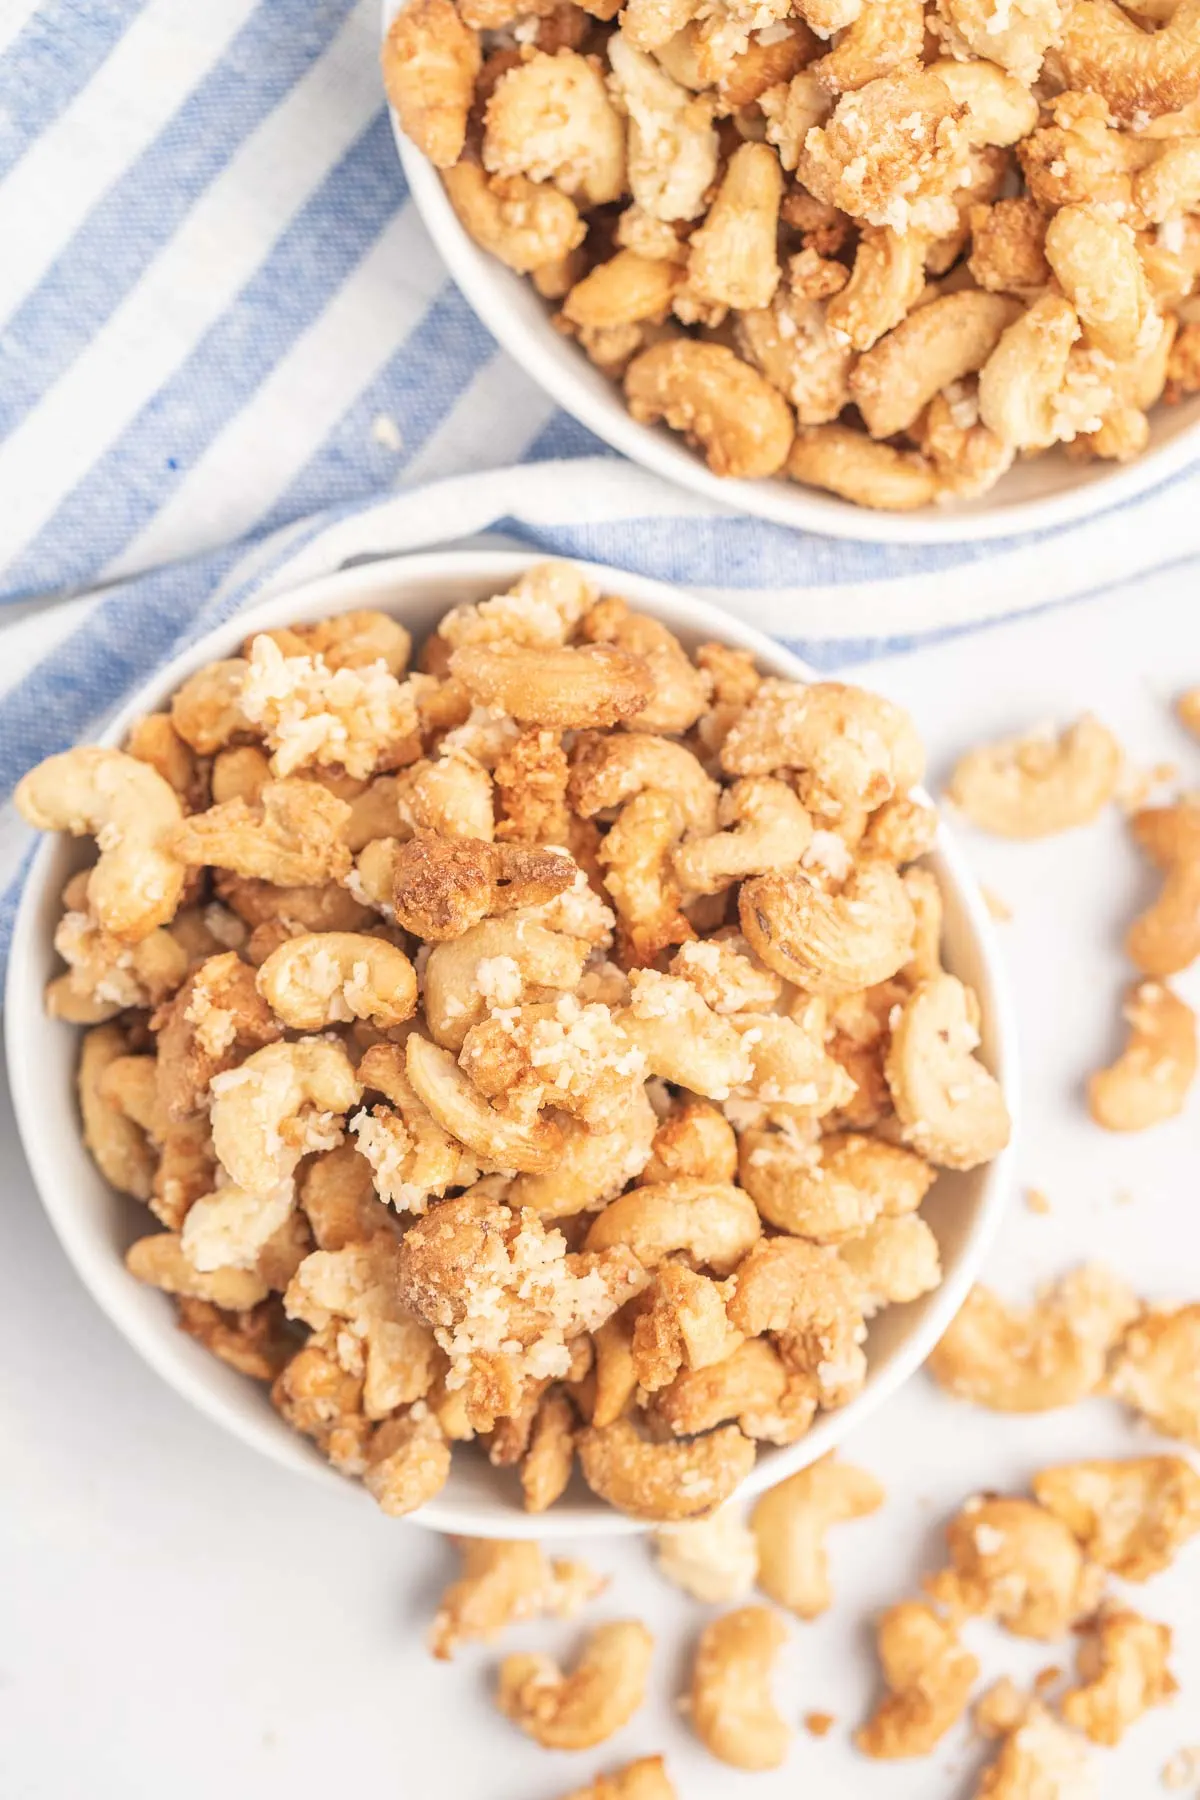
(1035, 495)
(95, 1225)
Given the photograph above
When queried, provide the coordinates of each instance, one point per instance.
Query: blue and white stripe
(218, 309)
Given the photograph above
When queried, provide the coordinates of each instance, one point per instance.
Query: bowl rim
(104, 1275)
(789, 504)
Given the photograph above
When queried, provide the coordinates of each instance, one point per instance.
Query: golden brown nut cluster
(549, 1047)
(879, 247)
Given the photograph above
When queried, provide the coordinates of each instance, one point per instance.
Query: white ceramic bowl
(1035, 495)
(95, 1225)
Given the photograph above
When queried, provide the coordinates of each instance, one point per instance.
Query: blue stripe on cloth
(739, 552)
(321, 246)
(49, 61)
(9, 901)
(118, 646)
(419, 386)
(142, 211)
(562, 437)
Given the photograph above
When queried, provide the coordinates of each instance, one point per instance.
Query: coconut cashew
(764, 828)
(498, 1141)
(322, 978)
(132, 813)
(715, 1224)
(951, 1108)
(276, 1106)
(663, 1481)
(829, 943)
(731, 1708)
(1149, 1081)
(582, 1709)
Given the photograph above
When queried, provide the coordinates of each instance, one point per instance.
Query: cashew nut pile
(880, 247)
(549, 1047)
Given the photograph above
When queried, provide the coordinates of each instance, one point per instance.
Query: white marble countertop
(178, 1616)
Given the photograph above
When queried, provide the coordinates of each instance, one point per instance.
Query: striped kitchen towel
(219, 314)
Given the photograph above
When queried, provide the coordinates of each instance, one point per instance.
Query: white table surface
(178, 1617)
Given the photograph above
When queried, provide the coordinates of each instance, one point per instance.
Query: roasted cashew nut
(682, 1039)
(441, 887)
(1030, 1359)
(1095, 259)
(117, 1139)
(694, 1142)
(355, 1290)
(159, 1261)
(894, 1261)
(951, 1109)
(430, 63)
(571, 688)
(929, 1678)
(1033, 786)
(1136, 73)
(636, 858)
(509, 961)
(1020, 383)
(276, 1106)
(764, 828)
(1130, 1516)
(579, 1710)
(323, 978)
(680, 1324)
(607, 771)
(790, 1525)
(504, 1583)
(1122, 1668)
(1015, 1562)
(551, 118)
(852, 748)
(718, 401)
(829, 943)
(525, 224)
(681, 1480)
(887, 277)
(408, 1462)
(1166, 937)
(645, 1779)
(715, 1224)
(1149, 1081)
(673, 146)
(409, 1153)
(1154, 1370)
(500, 1142)
(132, 813)
(591, 1167)
(291, 836)
(730, 1702)
(229, 1228)
(751, 1387)
(733, 259)
(939, 343)
(831, 1190)
(807, 1297)
(714, 1559)
(847, 462)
